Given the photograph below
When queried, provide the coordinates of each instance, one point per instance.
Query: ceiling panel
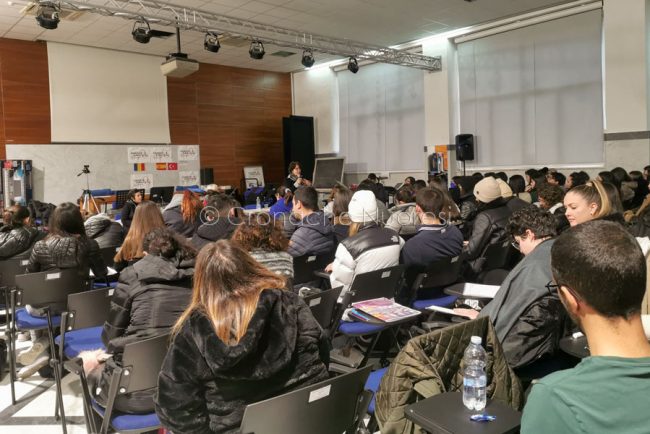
(383, 22)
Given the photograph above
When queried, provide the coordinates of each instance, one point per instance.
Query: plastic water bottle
(258, 204)
(474, 378)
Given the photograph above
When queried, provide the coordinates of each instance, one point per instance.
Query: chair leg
(12, 350)
(369, 350)
(54, 363)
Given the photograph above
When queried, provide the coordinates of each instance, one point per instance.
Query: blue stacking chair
(366, 286)
(42, 290)
(141, 362)
(372, 384)
(429, 285)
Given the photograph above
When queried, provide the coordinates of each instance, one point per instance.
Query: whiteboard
(55, 167)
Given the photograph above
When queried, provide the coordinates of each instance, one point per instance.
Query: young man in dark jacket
(313, 234)
(218, 221)
(105, 231)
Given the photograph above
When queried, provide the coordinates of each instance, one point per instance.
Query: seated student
(528, 320)
(106, 232)
(551, 199)
(518, 186)
(328, 209)
(185, 218)
(556, 178)
(467, 202)
(133, 199)
(220, 221)
(575, 179)
(149, 297)
(489, 225)
(382, 210)
(284, 201)
(599, 272)
(147, 217)
(241, 340)
(17, 236)
(512, 202)
(378, 188)
(369, 246)
(403, 217)
(313, 234)
(341, 221)
(592, 201)
(262, 237)
(435, 239)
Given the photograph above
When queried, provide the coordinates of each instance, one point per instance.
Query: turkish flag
(172, 166)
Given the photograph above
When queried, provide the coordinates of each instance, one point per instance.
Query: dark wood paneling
(238, 119)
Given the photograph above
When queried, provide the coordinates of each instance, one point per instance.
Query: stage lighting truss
(168, 14)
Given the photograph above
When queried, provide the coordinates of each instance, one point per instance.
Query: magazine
(381, 310)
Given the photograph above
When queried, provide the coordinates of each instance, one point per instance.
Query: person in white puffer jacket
(369, 246)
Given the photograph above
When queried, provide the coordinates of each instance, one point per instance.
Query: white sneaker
(22, 336)
(28, 356)
(28, 371)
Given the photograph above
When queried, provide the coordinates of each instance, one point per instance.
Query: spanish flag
(138, 167)
(161, 166)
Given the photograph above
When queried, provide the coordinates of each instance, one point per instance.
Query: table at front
(445, 414)
(576, 347)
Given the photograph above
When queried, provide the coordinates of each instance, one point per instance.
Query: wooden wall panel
(238, 119)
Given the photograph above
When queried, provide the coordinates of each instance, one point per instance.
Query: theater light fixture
(141, 31)
(308, 59)
(211, 43)
(257, 50)
(47, 15)
(353, 65)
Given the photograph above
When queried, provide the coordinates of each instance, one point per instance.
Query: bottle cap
(477, 340)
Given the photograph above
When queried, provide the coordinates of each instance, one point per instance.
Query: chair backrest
(376, 284)
(88, 309)
(440, 274)
(10, 268)
(323, 305)
(161, 194)
(324, 408)
(498, 255)
(304, 267)
(49, 287)
(143, 360)
(108, 253)
(494, 277)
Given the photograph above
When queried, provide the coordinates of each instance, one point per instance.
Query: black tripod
(87, 198)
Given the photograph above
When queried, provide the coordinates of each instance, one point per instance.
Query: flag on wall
(161, 166)
(172, 166)
(138, 167)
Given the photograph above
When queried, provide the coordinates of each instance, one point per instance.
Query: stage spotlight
(353, 65)
(47, 15)
(141, 31)
(211, 43)
(308, 58)
(257, 50)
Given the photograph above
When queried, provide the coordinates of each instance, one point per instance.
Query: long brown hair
(260, 231)
(227, 286)
(146, 218)
(190, 207)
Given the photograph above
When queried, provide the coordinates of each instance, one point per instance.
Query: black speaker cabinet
(207, 176)
(465, 147)
(298, 135)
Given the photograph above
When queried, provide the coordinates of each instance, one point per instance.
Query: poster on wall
(187, 178)
(142, 180)
(138, 154)
(254, 173)
(161, 154)
(188, 153)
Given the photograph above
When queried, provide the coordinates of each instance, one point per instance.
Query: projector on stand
(178, 65)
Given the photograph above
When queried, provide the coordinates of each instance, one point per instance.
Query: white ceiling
(383, 22)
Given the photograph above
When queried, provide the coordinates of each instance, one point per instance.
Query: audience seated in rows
(185, 217)
(133, 199)
(17, 236)
(599, 272)
(150, 296)
(262, 237)
(403, 218)
(101, 228)
(283, 202)
(242, 340)
(369, 246)
(313, 232)
(147, 217)
(220, 220)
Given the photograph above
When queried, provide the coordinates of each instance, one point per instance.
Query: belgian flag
(138, 167)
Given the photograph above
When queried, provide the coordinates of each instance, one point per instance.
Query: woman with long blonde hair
(147, 217)
(241, 340)
(592, 200)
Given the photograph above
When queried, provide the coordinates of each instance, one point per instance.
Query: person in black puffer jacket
(133, 199)
(489, 225)
(184, 218)
(149, 297)
(242, 340)
(219, 220)
(313, 234)
(17, 236)
(105, 231)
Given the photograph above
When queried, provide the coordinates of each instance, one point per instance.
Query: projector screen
(106, 96)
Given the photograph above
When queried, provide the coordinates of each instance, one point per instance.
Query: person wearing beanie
(489, 225)
(513, 202)
(369, 246)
